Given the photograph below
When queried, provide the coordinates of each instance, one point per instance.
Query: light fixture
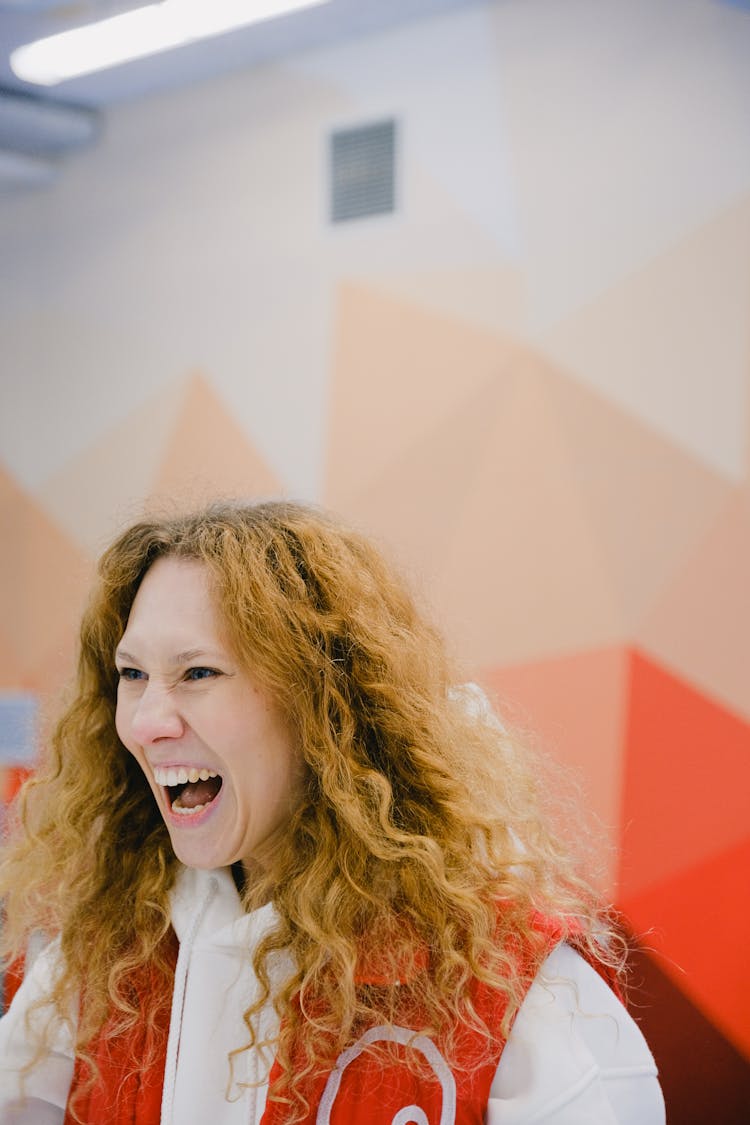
(135, 34)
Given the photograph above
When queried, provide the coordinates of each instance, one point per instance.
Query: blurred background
(476, 275)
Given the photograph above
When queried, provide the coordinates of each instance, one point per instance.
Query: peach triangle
(208, 455)
(52, 669)
(399, 372)
(43, 579)
(686, 792)
(416, 501)
(524, 576)
(699, 920)
(701, 624)
(574, 708)
(653, 341)
(650, 503)
(490, 298)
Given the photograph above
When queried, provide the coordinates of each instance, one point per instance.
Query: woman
(290, 874)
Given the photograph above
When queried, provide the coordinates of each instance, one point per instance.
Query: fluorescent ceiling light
(135, 34)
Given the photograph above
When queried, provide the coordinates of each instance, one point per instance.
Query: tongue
(199, 792)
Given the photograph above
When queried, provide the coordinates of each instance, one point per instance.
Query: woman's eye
(130, 673)
(201, 673)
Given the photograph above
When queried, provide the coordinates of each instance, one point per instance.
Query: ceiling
(41, 126)
(22, 21)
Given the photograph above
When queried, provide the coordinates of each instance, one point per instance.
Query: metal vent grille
(363, 171)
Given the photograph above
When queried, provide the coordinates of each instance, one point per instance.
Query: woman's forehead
(175, 594)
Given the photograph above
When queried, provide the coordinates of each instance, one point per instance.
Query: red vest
(360, 1088)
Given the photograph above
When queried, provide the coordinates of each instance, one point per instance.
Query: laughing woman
(288, 873)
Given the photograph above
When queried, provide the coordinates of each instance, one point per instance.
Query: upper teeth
(178, 775)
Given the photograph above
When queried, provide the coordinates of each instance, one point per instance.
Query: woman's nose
(156, 716)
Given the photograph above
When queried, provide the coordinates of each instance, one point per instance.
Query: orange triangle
(700, 920)
(574, 707)
(208, 456)
(43, 579)
(686, 793)
(701, 625)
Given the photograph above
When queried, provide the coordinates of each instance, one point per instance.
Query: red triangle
(694, 1059)
(686, 794)
(700, 919)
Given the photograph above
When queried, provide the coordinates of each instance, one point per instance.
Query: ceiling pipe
(37, 127)
(18, 170)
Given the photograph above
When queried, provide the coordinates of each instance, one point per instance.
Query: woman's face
(214, 748)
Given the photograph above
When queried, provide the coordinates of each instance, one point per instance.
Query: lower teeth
(186, 811)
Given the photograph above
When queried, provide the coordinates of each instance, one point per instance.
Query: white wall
(554, 153)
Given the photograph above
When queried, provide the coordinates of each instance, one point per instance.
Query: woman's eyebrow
(194, 654)
(178, 658)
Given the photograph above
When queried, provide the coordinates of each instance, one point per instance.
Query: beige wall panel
(648, 500)
(103, 487)
(669, 343)
(701, 626)
(489, 297)
(628, 130)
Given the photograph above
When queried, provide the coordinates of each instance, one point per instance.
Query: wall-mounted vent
(363, 171)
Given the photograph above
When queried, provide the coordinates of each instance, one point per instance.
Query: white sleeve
(574, 1056)
(39, 1097)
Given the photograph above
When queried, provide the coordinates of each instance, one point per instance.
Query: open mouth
(189, 791)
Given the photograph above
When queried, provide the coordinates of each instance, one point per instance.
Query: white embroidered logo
(410, 1114)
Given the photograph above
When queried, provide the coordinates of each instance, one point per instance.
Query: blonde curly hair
(419, 829)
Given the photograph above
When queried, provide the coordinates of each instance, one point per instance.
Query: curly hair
(419, 829)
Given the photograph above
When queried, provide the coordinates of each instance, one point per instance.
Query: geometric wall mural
(595, 577)
(544, 518)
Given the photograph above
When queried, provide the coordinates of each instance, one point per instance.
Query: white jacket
(574, 1056)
